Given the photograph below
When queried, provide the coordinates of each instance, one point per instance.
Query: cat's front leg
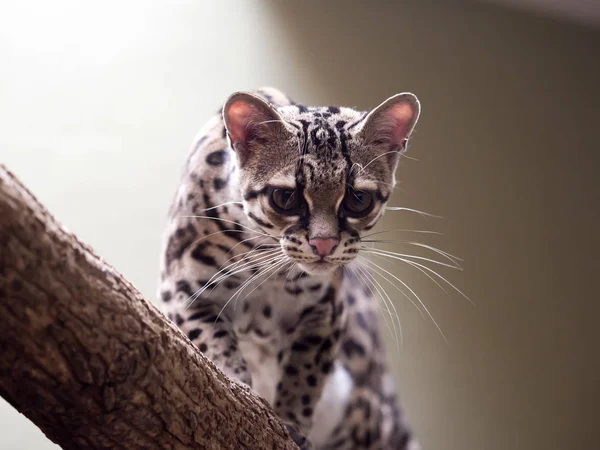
(307, 364)
(213, 335)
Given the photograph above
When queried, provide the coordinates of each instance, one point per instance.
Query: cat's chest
(264, 324)
(270, 312)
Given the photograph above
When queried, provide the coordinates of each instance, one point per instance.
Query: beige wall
(98, 106)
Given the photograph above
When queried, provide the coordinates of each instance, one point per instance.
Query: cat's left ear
(250, 121)
(391, 123)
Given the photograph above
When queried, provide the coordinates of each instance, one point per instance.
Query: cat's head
(317, 178)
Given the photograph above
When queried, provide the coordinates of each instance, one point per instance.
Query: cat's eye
(285, 201)
(358, 203)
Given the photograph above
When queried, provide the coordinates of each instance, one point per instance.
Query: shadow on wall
(506, 154)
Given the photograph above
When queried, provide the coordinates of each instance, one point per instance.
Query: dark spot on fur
(199, 256)
(298, 439)
(213, 319)
(294, 240)
(327, 344)
(230, 284)
(259, 221)
(267, 311)
(299, 346)
(199, 315)
(351, 348)
(291, 370)
(220, 183)
(217, 158)
(261, 333)
(313, 340)
(220, 334)
(293, 290)
(361, 321)
(306, 312)
(326, 367)
(183, 286)
(193, 334)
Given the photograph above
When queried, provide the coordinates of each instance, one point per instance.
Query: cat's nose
(323, 246)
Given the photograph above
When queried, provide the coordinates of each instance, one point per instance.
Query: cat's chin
(318, 268)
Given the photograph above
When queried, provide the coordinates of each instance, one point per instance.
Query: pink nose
(323, 246)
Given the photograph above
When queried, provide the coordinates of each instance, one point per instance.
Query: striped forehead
(320, 131)
(337, 117)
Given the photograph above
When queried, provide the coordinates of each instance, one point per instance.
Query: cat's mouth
(319, 267)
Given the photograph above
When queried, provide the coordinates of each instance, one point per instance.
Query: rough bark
(95, 365)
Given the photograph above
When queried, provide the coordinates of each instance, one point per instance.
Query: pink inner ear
(239, 116)
(401, 115)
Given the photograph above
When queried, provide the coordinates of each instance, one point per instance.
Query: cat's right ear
(249, 121)
(392, 122)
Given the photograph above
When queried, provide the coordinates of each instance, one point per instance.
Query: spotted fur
(244, 280)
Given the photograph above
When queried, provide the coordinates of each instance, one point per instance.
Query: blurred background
(100, 101)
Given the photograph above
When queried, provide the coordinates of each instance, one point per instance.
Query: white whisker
(365, 280)
(228, 221)
(290, 272)
(252, 265)
(222, 204)
(218, 232)
(418, 268)
(279, 266)
(412, 292)
(249, 239)
(249, 264)
(398, 288)
(400, 208)
(403, 230)
(375, 159)
(271, 121)
(256, 251)
(273, 265)
(429, 269)
(230, 270)
(448, 256)
(404, 255)
(387, 306)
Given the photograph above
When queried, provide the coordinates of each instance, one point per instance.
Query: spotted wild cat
(259, 254)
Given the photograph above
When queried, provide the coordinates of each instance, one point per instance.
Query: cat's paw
(299, 439)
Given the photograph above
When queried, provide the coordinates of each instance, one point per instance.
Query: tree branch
(95, 365)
